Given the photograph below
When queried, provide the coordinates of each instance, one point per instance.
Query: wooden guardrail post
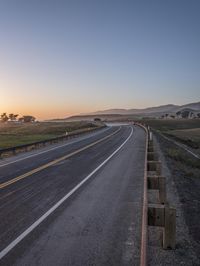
(152, 156)
(158, 183)
(154, 166)
(150, 148)
(164, 216)
(157, 214)
(169, 232)
(160, 214)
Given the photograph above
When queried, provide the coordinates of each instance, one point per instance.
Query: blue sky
(59, 58)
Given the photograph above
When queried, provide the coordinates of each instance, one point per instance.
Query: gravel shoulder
(183, 186)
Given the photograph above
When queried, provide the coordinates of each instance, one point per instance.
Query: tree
(185, 114)
(97, 119)
(166, 115)
(12, 117)
(28, 118)
(191, 114)
(172, 116)
(198, 115)
(4, 117)
(21, 119)
(178, 113)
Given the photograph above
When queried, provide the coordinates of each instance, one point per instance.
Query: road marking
(51, 149)
(38, 169)
(52, 209)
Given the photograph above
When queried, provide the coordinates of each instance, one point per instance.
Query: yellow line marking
(36, 170)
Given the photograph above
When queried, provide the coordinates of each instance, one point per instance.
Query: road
(76, 204)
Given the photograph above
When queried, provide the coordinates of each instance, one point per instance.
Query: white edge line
(51, 149)
(52, 209)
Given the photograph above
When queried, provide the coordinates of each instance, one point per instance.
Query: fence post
(169, 231)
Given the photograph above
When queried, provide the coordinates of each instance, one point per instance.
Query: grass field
(172, 124)
(190, 137)
(186, 131)
(17, 134)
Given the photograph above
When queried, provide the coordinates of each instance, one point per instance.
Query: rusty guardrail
(144, 233)
(159, 213)
(38, 144)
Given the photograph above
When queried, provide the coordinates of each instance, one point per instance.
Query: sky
(59, 58)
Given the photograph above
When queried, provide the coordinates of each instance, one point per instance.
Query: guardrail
(39, 144)
(158, 213)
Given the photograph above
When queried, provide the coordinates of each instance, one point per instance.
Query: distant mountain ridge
(156, 111)
(171, 108)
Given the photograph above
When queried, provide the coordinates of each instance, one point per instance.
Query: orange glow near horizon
(38, 106)
(40, 114)
(63, 59)
(52, 104)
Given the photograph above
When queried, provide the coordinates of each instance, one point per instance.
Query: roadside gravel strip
(182, 193)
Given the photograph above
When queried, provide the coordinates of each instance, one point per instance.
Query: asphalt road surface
(79, 203)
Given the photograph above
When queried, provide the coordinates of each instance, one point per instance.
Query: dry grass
(186, 131)
(17, 134)
(181, 157)
(193, 134)
(190, 137)
(172, 124)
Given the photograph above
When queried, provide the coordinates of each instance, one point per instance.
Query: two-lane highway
(79, 204)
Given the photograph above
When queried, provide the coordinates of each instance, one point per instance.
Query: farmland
(12, 134)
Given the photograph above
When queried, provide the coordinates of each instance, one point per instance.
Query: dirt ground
(183, 192)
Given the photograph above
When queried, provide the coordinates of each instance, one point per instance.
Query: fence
(158, 213)
(39, 144)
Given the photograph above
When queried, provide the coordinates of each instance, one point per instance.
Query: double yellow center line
(36, 170)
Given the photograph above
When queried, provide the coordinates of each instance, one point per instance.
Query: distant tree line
(15, 118)
(182, 114)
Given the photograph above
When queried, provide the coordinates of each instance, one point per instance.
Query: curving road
(78, 203)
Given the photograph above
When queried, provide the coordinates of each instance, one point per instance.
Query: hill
(116, 114)
(169, 108)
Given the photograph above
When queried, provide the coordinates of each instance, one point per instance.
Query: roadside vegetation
(185, 176)
(182, 158)
(164, 125)
(4, 118)
(13, 134)
(190, 137)
(186, 131)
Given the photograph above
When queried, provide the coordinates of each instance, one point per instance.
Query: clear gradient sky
(59, 58)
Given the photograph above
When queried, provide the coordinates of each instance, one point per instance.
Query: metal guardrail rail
(37, 144)
(160, 213)
(144, 233)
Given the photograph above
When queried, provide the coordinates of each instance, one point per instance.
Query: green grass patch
(18, 134)
(12, 140)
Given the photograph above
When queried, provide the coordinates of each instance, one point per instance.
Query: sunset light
(99, 132)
